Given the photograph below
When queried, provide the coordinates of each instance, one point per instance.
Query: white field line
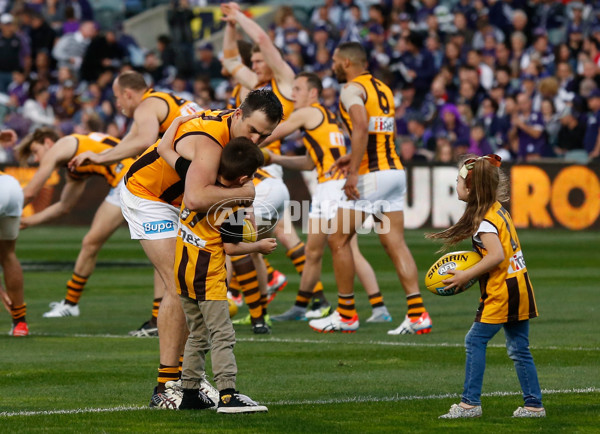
(327, 342)
(360, 399)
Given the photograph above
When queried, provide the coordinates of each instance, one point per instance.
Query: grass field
(85, 375)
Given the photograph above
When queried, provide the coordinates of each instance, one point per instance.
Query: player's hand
(351, 187)
(458, 280)
(8, 138)
(341, 166)
(229, 10)
(6, 301)
(249, 215)
(24, 224)
(266, 245)
(85, 158)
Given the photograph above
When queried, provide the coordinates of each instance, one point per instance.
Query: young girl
(507, 299)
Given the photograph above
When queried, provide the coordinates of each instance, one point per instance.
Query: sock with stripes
(166, 373)
(415, 306)
(376, 300)
(264, 301)
(18, 313)
(155, 306)
(180, 368)
(270, 269)
(74, 288)
(244, 270)
(298, 257)
(234, 286)
(346, 307)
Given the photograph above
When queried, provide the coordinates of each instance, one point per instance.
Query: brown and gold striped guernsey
(288, 108)
(98, 142)
(324, 143)
(151, 177)
(379, 103)
(176, 107)
(506, 291)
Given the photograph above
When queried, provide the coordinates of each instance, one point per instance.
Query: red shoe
(20, 329)
(277, 283)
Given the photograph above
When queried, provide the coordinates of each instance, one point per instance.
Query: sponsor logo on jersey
(381, 124)
(159, 227)
(190, 238)
(516, 263)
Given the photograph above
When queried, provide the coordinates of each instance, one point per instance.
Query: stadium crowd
(519, 78)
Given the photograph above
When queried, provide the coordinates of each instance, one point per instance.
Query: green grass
(366, 382)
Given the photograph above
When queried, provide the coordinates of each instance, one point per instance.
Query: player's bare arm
(57, 155)
(165, 146)
(69, 197)
(264, 246)
(231, 56)
(283, 73)
(201, 192)
(143, 133)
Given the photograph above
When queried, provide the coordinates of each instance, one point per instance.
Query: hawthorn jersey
(200, 272)
(506, 292)
(324, 143)
(98, 142)
(379, 103)
(288, 108)
(260, 175)
(176, 107)
(151, 177)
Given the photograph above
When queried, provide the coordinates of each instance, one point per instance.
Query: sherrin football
(233, 309)
(450, 261)
(249, 234)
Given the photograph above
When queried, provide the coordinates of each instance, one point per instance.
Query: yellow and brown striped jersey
(199, 268)
(379, 103)
(176, 107)
(288, 108)
(98, 142)
(324, 143)
(260, 175)
(151, 177)
(506, 291)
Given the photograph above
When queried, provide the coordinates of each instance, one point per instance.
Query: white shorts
(11, 207)
(380, 192)
(326, 199)
(270, 199)
(148, 219)
(114, 194)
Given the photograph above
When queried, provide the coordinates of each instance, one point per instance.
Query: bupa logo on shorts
(159, 227)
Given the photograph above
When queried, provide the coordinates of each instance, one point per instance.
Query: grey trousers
(210, 329)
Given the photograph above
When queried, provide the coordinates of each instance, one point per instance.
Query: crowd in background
(519, 78)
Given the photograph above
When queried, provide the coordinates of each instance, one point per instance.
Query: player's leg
(13, 280)
(150, 327)
(107, 219)
(366, 276)
(345, 317)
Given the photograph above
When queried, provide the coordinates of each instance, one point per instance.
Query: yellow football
(249, 235)
(233, 309)
(450, 261)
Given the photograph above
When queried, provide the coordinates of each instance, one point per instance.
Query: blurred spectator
(166, 51)
(70, 48)
(14, 51)
(103, 52)
(478, 143)
(551, 124)
(38, 109)
(179, 88)
(528, 127)
(205, 63)
(41, 35)
(450, 124)
(591, 139)
(409, 152)
(571, 135)
(18, 89)
(444, 152)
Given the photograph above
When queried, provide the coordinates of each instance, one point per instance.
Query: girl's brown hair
(487, 184)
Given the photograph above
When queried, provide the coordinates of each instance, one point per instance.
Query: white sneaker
(335, 323)
(408, 327)
(169, 399)
(524, 412)
(59, 309)
(210, 391)
(380, 314)
(459, 412)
